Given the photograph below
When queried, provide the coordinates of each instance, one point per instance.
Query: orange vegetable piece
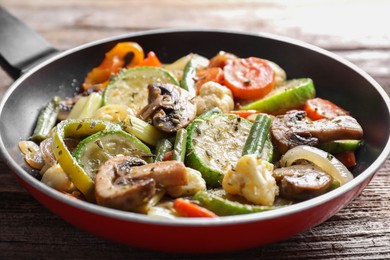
(188, 209)
(209, 74)
(150, 60)
(249, 78)
(113, 62)
(318, 108)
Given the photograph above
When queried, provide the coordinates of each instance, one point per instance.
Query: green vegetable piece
(179, 149)
(258, 135)
(74, 128)
(215, 144)
(189, 74)
(268, 150)
(144, 131)
(225, 207)
(188, 81)
(292, 94)
(46, 120)
(96, 149)
(130, 87)
(89, 106)
(339, 146)
(214, 110)
(162, 147)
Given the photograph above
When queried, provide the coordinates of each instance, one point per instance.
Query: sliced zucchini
(292, 94)
(340, 146)
(130, 86)
(94, 150)
(215, 144)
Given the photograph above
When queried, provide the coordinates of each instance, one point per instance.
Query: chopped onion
(32, 154)
(327, 162)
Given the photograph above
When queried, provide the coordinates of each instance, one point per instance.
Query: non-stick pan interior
(333, 79)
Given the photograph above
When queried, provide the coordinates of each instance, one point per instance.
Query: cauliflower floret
(280, 74)
(195, 183)
(56, 178)
(213, 94)
(252, 178)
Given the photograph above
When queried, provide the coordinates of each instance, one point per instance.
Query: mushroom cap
(170, 107)
(126, 182)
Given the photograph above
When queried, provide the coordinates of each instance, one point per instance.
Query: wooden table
(355, 30)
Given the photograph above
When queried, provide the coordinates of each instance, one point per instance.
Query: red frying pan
(41, 72)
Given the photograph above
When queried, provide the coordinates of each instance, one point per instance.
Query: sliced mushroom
(283, 135)
(170, 107)
(127, 182)
(341, 127)
(295, 128)
(302, 182)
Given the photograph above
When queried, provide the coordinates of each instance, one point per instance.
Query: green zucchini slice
(292, 94)
(130, 87)
(339, 146)
(94, 150)
(215, 144)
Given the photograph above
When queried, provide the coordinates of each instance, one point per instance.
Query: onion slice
(327, 162)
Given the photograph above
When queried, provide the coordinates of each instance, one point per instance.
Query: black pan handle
(20, 47)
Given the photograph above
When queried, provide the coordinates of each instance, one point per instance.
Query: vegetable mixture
(200, 137)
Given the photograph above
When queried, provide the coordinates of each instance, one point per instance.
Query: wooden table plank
(360, 230)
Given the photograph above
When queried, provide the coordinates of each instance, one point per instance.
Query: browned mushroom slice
(302, 182)
(294, 128)
(170, 107)
(122, 184)
(341, 127)
(283, 135)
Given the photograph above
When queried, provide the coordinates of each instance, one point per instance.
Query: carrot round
(250, 78)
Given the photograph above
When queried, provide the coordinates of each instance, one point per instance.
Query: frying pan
(62, 73)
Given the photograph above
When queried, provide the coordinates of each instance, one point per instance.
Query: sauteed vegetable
(200, 137)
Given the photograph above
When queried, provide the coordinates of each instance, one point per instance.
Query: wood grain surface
(355, 30)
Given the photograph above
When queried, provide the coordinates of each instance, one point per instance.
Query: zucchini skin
(213, 163)
(46, 120)
(339, 146)
(292, 94)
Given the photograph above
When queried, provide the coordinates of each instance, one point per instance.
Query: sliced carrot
(348, 158)
(318, 108)
(243, 113)
(188, 209)
(209, 74)
(150, 60)
(113, 62)
(250, 78)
